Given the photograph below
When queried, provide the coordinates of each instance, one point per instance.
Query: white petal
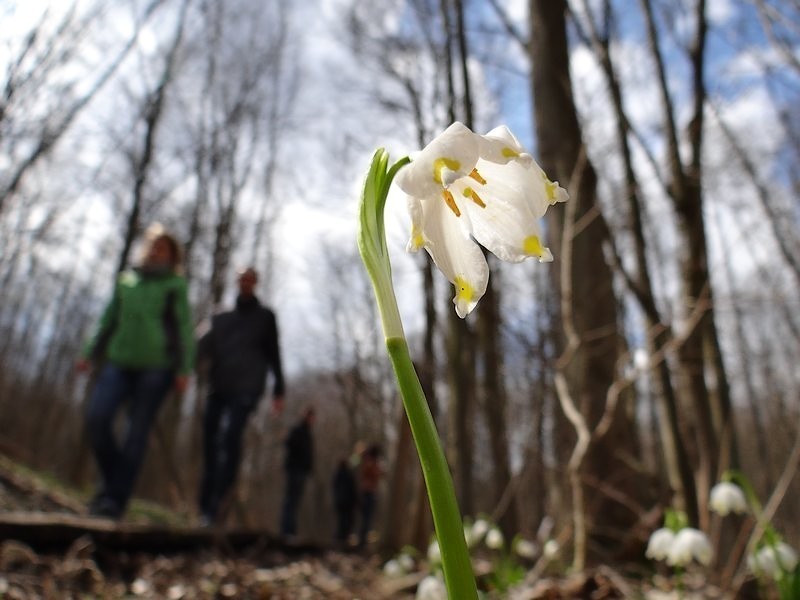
(690, 544)
(727, 497)
(450, 155)
(501, 146)
(551, 549)
(431, 588)
(787, 557)
(456, 254)
(526, 549)
(392, 568)
(417, 239)
(494, 539)
(506, 219)
(659, 544)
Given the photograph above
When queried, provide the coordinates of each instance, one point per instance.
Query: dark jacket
(240, 348)
(345, 489)
(299, 448)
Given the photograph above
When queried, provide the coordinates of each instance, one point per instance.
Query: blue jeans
(223, 427)
(295, 481)
(144, 390)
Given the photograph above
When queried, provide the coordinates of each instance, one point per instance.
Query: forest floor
(50, 550)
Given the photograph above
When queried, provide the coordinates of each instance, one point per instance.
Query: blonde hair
(155, 232)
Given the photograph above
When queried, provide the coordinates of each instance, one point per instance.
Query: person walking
(143, 347)
(298, 464)
(236, 356)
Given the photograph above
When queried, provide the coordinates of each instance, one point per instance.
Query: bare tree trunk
(676, 460)
(494, 401)
(592, 367)
(423, 521)
(395, 524)
(701, 350)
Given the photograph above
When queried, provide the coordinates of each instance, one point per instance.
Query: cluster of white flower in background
(680, 545)
(481, 533)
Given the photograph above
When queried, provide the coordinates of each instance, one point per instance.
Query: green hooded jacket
(147, 324)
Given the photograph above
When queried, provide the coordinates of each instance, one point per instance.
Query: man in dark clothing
(237, 353)
(298, 463)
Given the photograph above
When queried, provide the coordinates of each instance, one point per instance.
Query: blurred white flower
(689, 543)
(525, 548)
(659, 544)
(392, 568)
(431, 588)
(434, 553)
(551, 549)
(641, 360)
(494, 539)
(773, 561)
(406, 562)
(176, 592)
(475, 533)
(727, 497)
(140, 587)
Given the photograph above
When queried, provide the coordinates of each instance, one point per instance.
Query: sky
(326, 160)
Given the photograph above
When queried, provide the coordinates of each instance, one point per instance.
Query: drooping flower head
(551, 549)
(464, 187)
(773, 561)
(431, 588)
(475, 533)
(659, 543)
(525, 548)
(689, 544)
(494, 539)
(727, 497)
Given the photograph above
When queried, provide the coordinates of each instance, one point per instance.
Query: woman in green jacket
(145, 345)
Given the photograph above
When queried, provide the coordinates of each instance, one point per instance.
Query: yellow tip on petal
(532, 246)
(508, 152)
(417, 241)
(552, 191)
(465, 293)
(440, 164)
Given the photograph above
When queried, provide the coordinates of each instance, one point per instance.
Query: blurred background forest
(658, 349)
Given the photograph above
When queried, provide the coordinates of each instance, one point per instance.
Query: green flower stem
(458, 574)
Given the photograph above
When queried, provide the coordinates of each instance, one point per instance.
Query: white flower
(463, 186)
(475, 533)
(727, 497)
(525, 548)
(434, 553)
(551, 549)
(431, 588)
(659, 544)
(773, 561)
(393, 568)
(140, 587)
(406, 562)
(689, 543)
(494, 539)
